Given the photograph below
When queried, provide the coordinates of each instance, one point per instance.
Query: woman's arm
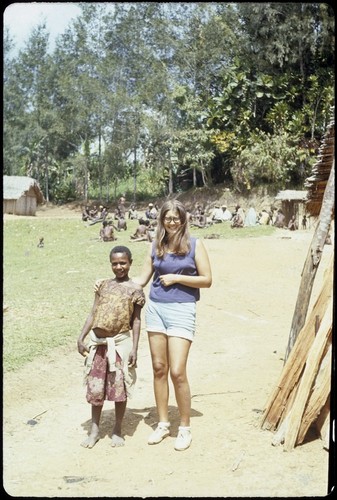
(204, 278)
(147, 270)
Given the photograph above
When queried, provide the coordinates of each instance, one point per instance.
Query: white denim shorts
(175, 319)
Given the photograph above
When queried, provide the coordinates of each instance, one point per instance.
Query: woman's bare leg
(178, 350)
(159, 356)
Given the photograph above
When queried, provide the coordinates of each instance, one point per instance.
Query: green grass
(48, 291)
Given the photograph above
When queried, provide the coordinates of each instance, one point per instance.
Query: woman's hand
(169, 279)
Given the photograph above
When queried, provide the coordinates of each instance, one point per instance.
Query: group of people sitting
(94, 214)
(240, 218)
(198, 218)
(117, 221)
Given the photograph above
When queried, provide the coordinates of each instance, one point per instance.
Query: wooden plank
(318, 397)
(308, 377)
(292, 370)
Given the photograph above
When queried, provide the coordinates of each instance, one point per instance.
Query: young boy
(111, 354)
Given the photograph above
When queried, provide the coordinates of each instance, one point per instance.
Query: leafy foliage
(157, 95)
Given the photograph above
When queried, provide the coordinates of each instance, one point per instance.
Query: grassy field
(48, 291)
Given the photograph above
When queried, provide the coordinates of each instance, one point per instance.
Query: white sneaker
(184, 439)
(161, 432)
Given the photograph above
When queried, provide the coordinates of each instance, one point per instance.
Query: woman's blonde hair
(180, 244)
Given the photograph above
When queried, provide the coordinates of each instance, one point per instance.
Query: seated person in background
(280, 219)
(104, 212)
(121, 224)
(117, 213)
(151, 212)
(250, 219)
(196, 213)
(106, 232)
(238, 218)
(292, 225)
(226, 214)
(93, 213)
(143, 231)
(216, 215)
(202, 220)
(133, 212)
(264, 218)
(85, 213)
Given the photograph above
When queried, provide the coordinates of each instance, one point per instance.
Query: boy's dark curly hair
(121, 249)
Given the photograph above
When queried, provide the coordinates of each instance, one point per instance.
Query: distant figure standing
(304, 222)
(121, 206)
(41, 243)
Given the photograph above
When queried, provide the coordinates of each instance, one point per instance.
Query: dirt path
(243, 326)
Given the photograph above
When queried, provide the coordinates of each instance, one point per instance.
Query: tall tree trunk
(46, 177)
(134, 173)
(194, 177)
(86, 180)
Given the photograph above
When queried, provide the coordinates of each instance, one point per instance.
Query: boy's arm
(136, 322)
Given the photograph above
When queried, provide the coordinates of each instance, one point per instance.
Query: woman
(180, 267)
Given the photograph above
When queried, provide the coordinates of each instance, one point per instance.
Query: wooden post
(312, 261)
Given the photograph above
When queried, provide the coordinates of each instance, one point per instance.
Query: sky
(22, 17)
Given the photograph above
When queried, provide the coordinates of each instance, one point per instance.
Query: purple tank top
(174, 264)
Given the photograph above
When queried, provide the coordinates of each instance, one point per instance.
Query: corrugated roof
(15, 186)
(292, 195)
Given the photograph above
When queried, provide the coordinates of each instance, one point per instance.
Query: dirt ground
(243, 324)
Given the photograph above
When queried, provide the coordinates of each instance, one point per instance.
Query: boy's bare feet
(90, 441)
(117, 441)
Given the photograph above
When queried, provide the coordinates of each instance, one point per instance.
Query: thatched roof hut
(292, 203)
(21, 195)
